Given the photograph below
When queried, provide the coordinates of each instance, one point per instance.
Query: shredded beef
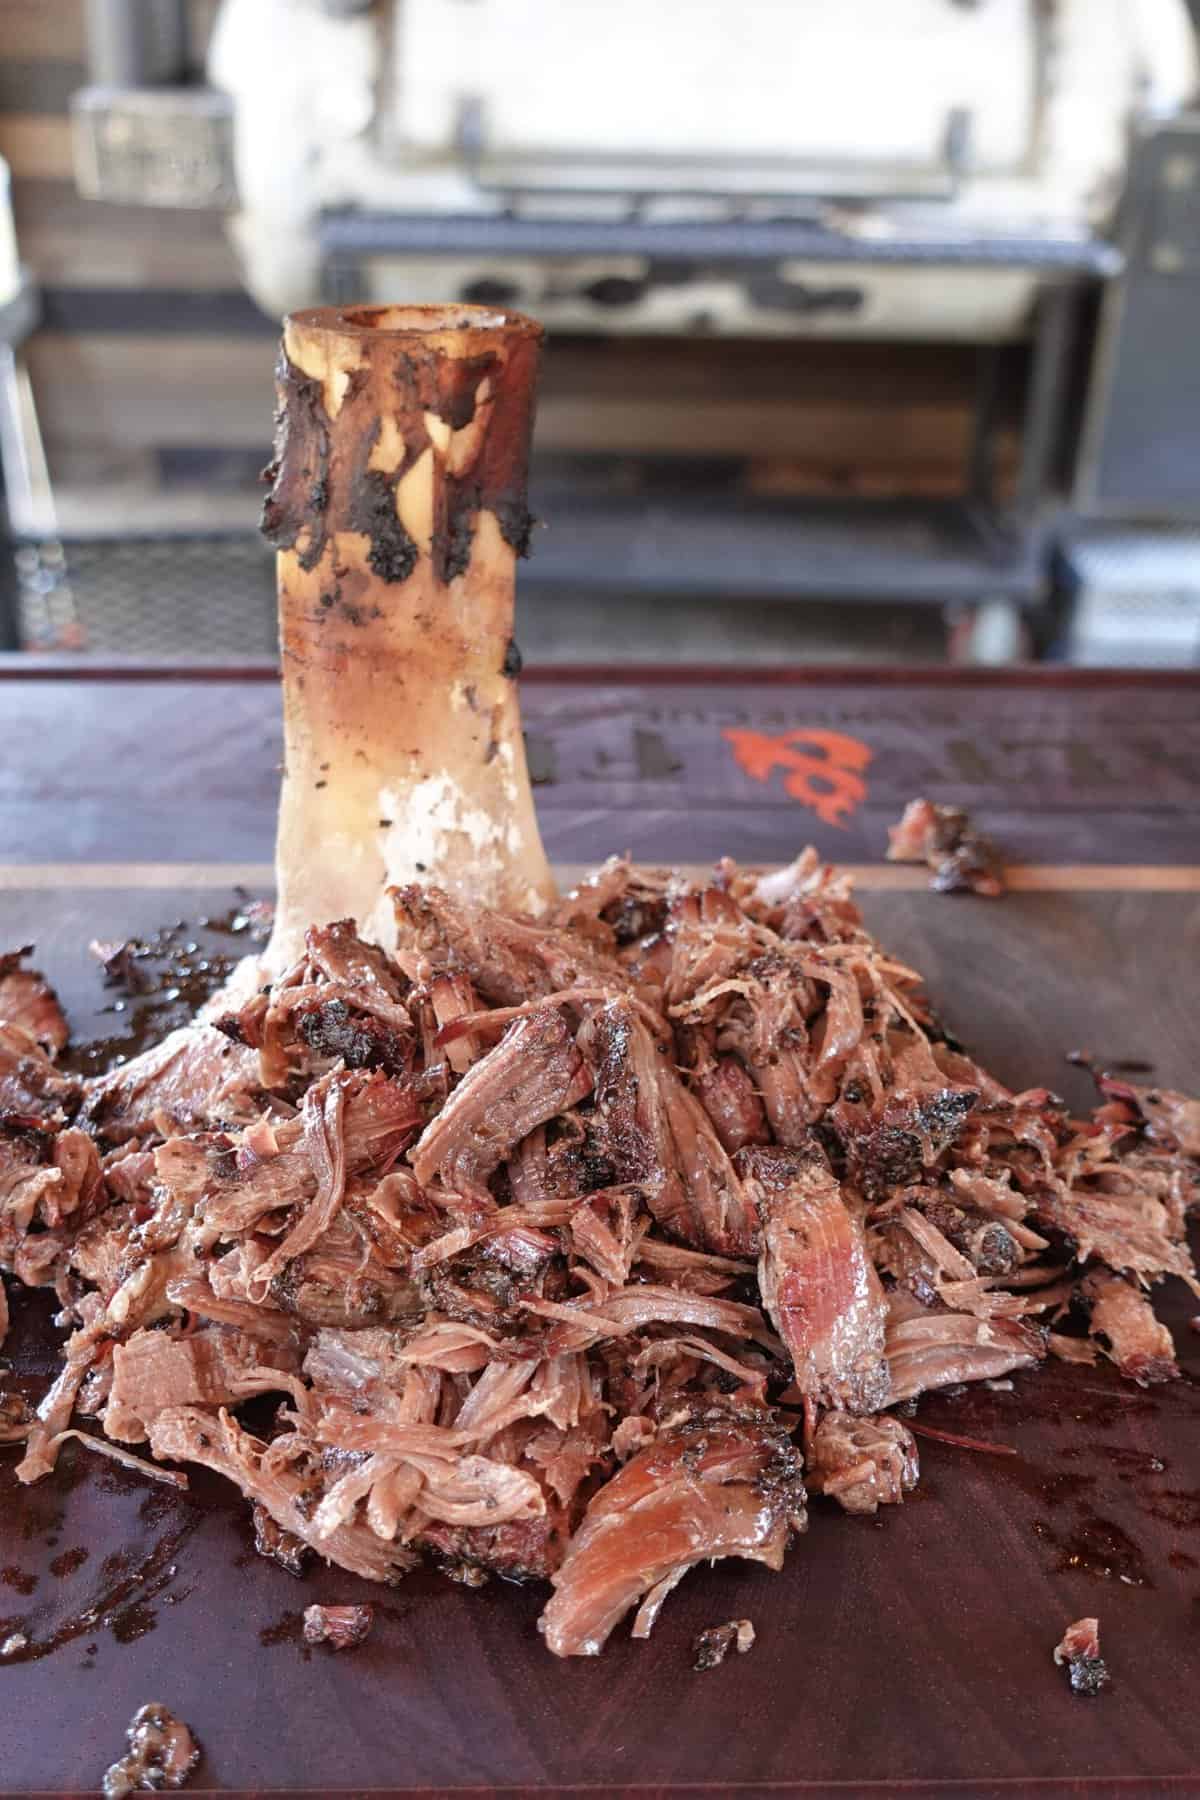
(32, 1090)
(716, 1487)
(549, 1243)
(1170, 1118)
(1123, 1319)
(817, 1280)
(532, 1075)
(193, 1077)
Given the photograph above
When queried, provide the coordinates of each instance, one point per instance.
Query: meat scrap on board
(1078, 1652)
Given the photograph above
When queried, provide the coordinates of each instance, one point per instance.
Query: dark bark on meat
(283, 1547)
(658, 1137)
(333, 1032)
(631, 1106)
(907, 1136)
(988, 1244)
(526, 1550)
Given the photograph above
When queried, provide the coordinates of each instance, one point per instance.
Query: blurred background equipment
(825, 377)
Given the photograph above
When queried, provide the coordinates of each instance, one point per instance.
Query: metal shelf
(716, 545)
(354, 233)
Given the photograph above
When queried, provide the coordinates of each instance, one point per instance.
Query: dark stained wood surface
(1061, 771)
(906, 1656)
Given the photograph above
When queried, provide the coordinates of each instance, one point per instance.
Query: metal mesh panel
(212, 598)
(203, 598)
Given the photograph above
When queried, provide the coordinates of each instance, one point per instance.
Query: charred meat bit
(1078, 1652)
(962, 859)
(863, 1463)
(720, 1486)
(711, 1647)
(162, 1754)
(341, 1627)
(283, 1547)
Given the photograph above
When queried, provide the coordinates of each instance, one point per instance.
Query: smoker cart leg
(1043, 411)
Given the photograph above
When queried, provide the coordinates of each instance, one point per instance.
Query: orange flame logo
(823, 767)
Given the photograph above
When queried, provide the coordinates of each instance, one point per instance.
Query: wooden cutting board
(905, 1655)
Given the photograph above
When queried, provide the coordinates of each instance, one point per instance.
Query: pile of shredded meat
(573, 1250)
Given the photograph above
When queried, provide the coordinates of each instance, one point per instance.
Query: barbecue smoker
(881, 167)
(941, 170)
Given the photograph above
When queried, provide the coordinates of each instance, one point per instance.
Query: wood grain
(36, 144)
(909, 1657)
(91, 389)
(824, 409)
(868, 878)
(54, 29)
(1090, 773)
(78, 243)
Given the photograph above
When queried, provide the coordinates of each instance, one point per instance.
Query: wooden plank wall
(149, 345)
